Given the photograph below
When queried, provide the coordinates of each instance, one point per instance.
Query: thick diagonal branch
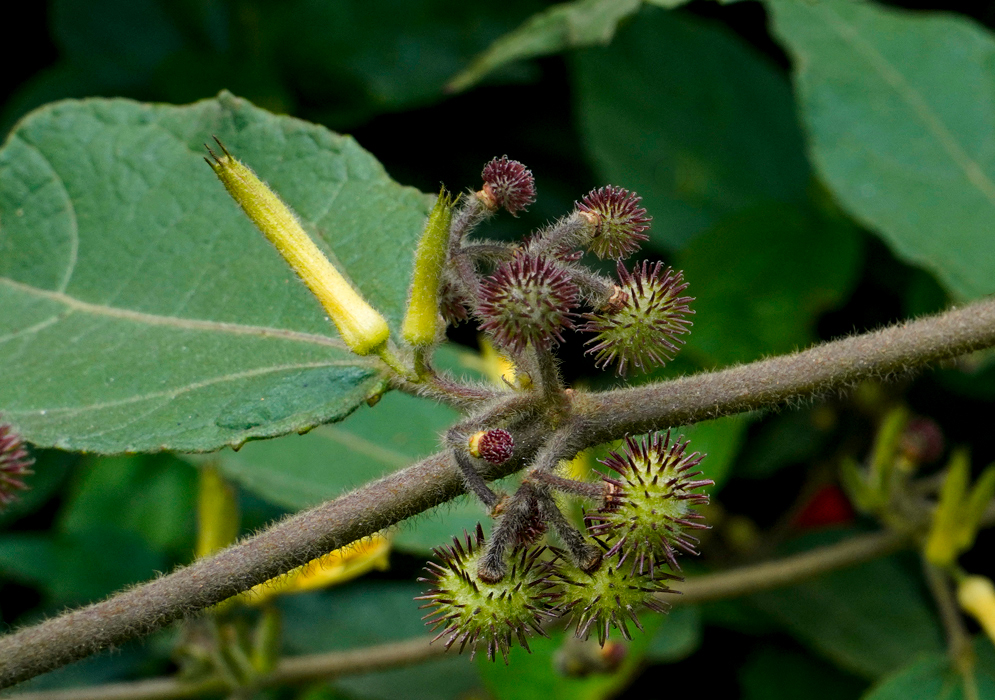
(601, 417)
(831, 367)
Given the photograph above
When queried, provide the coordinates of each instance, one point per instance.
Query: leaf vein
(173, 321)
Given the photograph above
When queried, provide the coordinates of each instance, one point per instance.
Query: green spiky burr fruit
(642, 323)
(609, 598)
(473, 613)
(650, 508)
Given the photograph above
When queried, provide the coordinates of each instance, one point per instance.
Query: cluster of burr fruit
(487, 592)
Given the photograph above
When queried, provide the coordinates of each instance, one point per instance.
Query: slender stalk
(294, 670)
(737, 582)
(596, 418)
(787, 571)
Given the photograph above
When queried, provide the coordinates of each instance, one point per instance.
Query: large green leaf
(720, 441)
(687, 114)
(900, 108)
(143, 311)
(870, 619)
(678, 636)
(75, 568)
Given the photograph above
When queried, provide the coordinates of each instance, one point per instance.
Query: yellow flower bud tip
(422, 325)
(976, 595)
(361, 327)
(495, 446)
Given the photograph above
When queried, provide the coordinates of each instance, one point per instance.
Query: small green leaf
(143, 311)
(901, 113)
(688, 115)
(565, 26)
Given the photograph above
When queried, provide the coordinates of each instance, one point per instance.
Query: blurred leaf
(114, 42)
(931, 677)
(535, 676)
(81, 567)
(901, 112)
(342, 59)
(771, 673)
(367, 614)
(790, 437)
(50, 470)
(564, 26)
(301, 471)
(869, 620)
(386, 55)
(737, 615)
(761, 278)
(720, 440)
(677, 637)
(143, 309)
(691, 117)
(152, 496)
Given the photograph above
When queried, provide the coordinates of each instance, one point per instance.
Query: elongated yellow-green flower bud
(362, 328)
(421, 323)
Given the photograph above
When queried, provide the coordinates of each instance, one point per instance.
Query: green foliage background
(816, 168)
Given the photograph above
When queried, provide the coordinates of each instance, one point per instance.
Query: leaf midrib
(173, 321)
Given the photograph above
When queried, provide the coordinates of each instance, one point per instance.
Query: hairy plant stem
(744, 580)
(824, 369)
(594, 418)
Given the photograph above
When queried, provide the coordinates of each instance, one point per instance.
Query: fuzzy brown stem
(602, 417)
(831, 367)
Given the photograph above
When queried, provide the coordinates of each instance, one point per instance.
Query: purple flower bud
(14, 465)
(495, 446)
(508, 184)
(618, 221)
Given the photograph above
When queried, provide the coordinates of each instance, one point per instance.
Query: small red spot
(828, 506)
